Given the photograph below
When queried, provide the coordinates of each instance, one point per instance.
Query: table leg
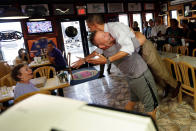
(60, 91)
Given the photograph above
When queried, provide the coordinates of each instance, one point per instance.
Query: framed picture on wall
(164, 7)
(39, 45)
(180, 12)
(149, 6)
(187, 10)
(115, 7)
(35, 10)
(63, 9)
(134, 7)
(95, 8)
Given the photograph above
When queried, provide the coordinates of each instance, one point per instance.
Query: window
(123, 18)
(149, 16)
(9, 49)
(165, 19)
(137, 17)
(174, 14)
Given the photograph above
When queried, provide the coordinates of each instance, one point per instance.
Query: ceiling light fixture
(38, 19)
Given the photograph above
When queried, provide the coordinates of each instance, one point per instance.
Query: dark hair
(175, 21)
(92, 37)
(95, 18)
(16, 71)
(20, 54)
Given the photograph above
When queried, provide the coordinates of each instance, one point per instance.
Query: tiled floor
(112, 90)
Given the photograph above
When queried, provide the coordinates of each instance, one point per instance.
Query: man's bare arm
(81, 61)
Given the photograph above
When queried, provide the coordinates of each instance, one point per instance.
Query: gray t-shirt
(23, 88)
(131, 65)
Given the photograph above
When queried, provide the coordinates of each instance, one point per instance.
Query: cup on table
(35, 59)
(183, 42)
(177, 56)
(39, 60)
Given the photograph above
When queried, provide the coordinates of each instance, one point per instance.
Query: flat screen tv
(37, 27)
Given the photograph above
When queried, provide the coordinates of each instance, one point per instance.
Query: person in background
(189, 35)
(23, 57)
(158, 33)
(22, 75)
(55, 57)
(135, 26)
(146, 29)
(174, 33)
(151, 25)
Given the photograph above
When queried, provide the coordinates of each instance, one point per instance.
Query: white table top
(42, 63)
(188, 59)
(44, 112)
(6, 93)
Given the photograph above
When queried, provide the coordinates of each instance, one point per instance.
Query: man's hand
(78, 63)
(97, 61)
(140, 37)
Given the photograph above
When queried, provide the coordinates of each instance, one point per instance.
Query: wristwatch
(108, 60)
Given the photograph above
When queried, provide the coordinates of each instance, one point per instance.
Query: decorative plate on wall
(63, 9)
(35, 10)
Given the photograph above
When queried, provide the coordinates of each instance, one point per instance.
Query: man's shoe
(101, 76)
(176, 91)
(108, 71)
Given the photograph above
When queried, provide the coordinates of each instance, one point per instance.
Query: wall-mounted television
(37, 27)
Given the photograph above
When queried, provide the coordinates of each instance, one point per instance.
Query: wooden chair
(20, 98)
(171, 67)
(175, 49)
(167, 48)
(183, 50)
(194, 52)
(187, 78)
(4, 68)
(44, 71)
(7, 80)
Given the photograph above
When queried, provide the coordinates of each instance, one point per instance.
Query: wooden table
(6, 93)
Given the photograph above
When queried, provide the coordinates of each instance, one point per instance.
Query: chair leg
(194, 101)
(70, 72)
(180, 95)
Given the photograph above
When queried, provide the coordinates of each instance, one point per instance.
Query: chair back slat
(187, 74)
(167, 48)
(182, 50)
(44, 71)
(7, 80)
(187, 78)
(171, 67)
(194, 52)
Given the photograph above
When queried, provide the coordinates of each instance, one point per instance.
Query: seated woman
(22, 75)
(23, 57)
